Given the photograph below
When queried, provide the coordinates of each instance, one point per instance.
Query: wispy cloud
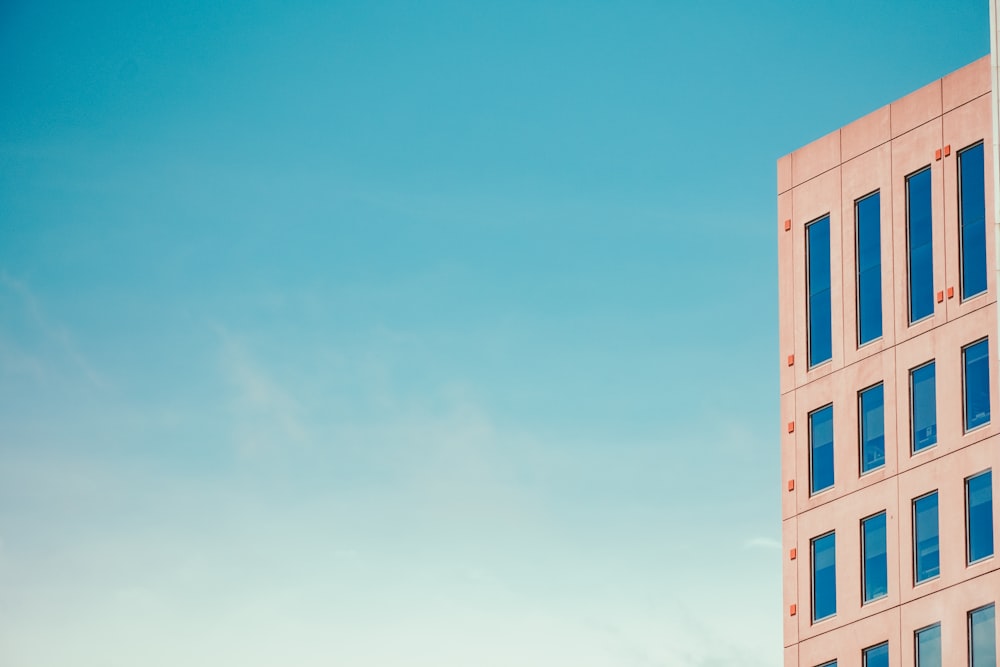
(768, 543)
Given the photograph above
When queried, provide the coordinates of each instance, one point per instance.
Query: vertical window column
(979, 516)
(821, 449)
(819, 306)
(982, 637)
(928, 646)
(871, 408)
(972, 211)
(926, 553)
(869, 254)
(824, 576)
(923, 407)
(874, 564)
(919, 245)
(976, 383)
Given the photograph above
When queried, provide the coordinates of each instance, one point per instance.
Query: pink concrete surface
(828, 176)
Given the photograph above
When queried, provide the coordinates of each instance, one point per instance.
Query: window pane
(919, 246)
(821, 449)
(979, 517)
(872, 412)
(824, 566)
(869, 269)
(983, 638)
(929, 647)
(818, 258)
(972, 209)
(877, 656)
(977, 384)
(876, 575)
(925, 537)
(923, 404)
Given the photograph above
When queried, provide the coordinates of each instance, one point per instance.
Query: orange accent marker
(792, 609)
(791, 360)
(792, 554)
(937, 154)
(791, 485)
(791, 427)
(951, 292)
(940, 297)
(947, 150)
(788, 225)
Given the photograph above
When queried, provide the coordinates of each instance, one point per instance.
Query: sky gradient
(408, 334)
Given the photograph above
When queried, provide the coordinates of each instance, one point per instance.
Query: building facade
(888, 349)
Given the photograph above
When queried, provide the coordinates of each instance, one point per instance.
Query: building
(888, 349)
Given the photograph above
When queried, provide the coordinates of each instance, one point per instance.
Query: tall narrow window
(923, 407)
(982, 637)
(928, 646)
(871, 408)
(869, 251)
(877, 656)
(821, 449)
(976, 361)
(824, 576)
(818, 261)
(920, 258)
(926, 555)
(979, 516)
(972, 210)
(874, 564)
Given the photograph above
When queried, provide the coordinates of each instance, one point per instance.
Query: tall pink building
(888, 343)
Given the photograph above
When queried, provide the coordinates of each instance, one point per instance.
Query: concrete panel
(912, 153)
(865, 134)
(786, 295)
(788, 456)
(789, 579)
(784, 174)
(915, 109)
(845, 644)
(966, 84)
(862, 176)
(816, 158)
(792, 656)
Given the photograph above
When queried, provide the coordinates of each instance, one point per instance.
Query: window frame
(812, 576)
(965, 386)
(963, 297)
(909, 246)
(861, 429)
(969, 626)
(913, 426)
(811, 364)
(812, 457)
(915, 541)
(916, 643)
(866, 651)
(857, 268)
(864, 558)
(968, 519)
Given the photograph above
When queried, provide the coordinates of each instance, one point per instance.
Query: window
(972, 211)
(919, 252)
(818, 275)
(869, 252)
(979, 516)
(923, 407)
(871, 409)
(976, 388)
(926, 557)
(876, 656)
(874, 565)
(982, 638)
(821, 449)
(928, 646)
(832, 663)
(824, 576)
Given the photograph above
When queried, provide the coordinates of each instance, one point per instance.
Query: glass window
(982, 638)
(979, 516)
(824, 576)
(877, 656)
(818, 261)
(972, 211)
(874, 564)
(871, 409)
(976, 360)
(832, 663)
(919, 244)
(928, 641)
(869, 250)
(923, 407)
(821, 449)
(926, 556)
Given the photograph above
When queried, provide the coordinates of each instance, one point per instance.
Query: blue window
(979, 516)
(928, 641)
(976, 360)
(869, 268)
(923, 407)
(824, 576)
(919, 245)
(818, 261)
(982, 637)
(821, 449)
(871, 409)
(972, 210)
(875, 565)
(832, 663)
(877, 656)
(926, 555)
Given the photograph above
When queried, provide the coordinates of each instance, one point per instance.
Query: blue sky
(381, 334)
